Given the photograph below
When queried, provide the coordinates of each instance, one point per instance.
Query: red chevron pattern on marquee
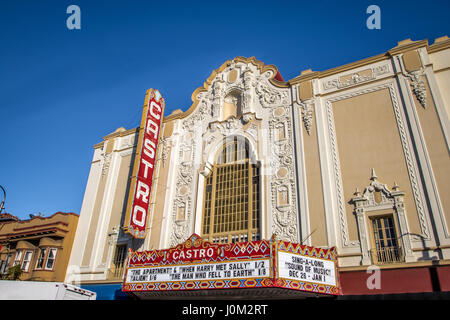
(197, 264)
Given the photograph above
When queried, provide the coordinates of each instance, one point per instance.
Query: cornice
(99, 145)
(120, 133)
(336, 70)
(354, 65)
(439, 45)
(53, 231)
(304, 77)
(44, 219)
(115, 135)
(401, 48)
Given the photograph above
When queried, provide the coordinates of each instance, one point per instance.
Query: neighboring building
(40, 245)
(355, 157)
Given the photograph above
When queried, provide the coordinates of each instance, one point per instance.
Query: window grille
(232, 196)
(387, 249)
(119, 261)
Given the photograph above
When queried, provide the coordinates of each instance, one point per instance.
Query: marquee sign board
(138, 205)
(197, 264)
(307, 268)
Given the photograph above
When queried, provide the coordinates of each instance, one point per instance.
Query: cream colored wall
(80, 240)
(441, 68)
(436, 147)
(443, 80)
(314, 185)
(102, 207)
(95, 215)
(118, 208)
(368, 137)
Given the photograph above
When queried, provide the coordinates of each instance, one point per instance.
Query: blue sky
(62, 90)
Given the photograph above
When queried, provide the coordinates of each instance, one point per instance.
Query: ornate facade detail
(413, 174)
(284, 209)
(181, 215)
(417, 195)
(106, 163)
(219, 95)
(253, 132)
(270, 97)
(190, 123)
(227, 127)
(249, 84)
(356, 77)
(182, 210)
(386, 199)
(418, 87)
(247, 117)
(182, 202)
(254, 87)
(307, 113)
(337, 179)
(166, 145)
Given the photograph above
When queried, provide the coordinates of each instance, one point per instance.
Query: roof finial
(395, 187)
(374, 176)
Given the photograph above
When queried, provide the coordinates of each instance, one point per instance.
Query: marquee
(197, 264)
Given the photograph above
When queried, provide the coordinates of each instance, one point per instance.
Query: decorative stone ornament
(367, 202)
(418, 87)
(263, 118)
(307, 117)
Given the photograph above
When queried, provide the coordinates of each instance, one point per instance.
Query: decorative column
(248, 90)
(219, 95)
(405, 236)
(359, 202)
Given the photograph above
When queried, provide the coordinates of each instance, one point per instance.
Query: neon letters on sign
(145, 163)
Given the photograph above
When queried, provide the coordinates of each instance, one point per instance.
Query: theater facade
(354, 160)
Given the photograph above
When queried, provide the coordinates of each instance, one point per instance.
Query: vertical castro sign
(144, 166)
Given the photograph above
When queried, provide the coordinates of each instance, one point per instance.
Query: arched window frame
(253, 227)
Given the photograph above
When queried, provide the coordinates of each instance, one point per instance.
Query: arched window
(232, 196)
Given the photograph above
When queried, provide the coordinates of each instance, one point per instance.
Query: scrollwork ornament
(269, 97)
(307, 117)
(419, 89)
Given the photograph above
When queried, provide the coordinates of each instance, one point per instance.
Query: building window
(119, 260)
(4, 265)
(51, 257)
(18, 258)
(26, 260)
(46, 258)
(232, 196)
(40, 259)
(386, 249)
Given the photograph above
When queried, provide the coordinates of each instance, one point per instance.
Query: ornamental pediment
(231, 90)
